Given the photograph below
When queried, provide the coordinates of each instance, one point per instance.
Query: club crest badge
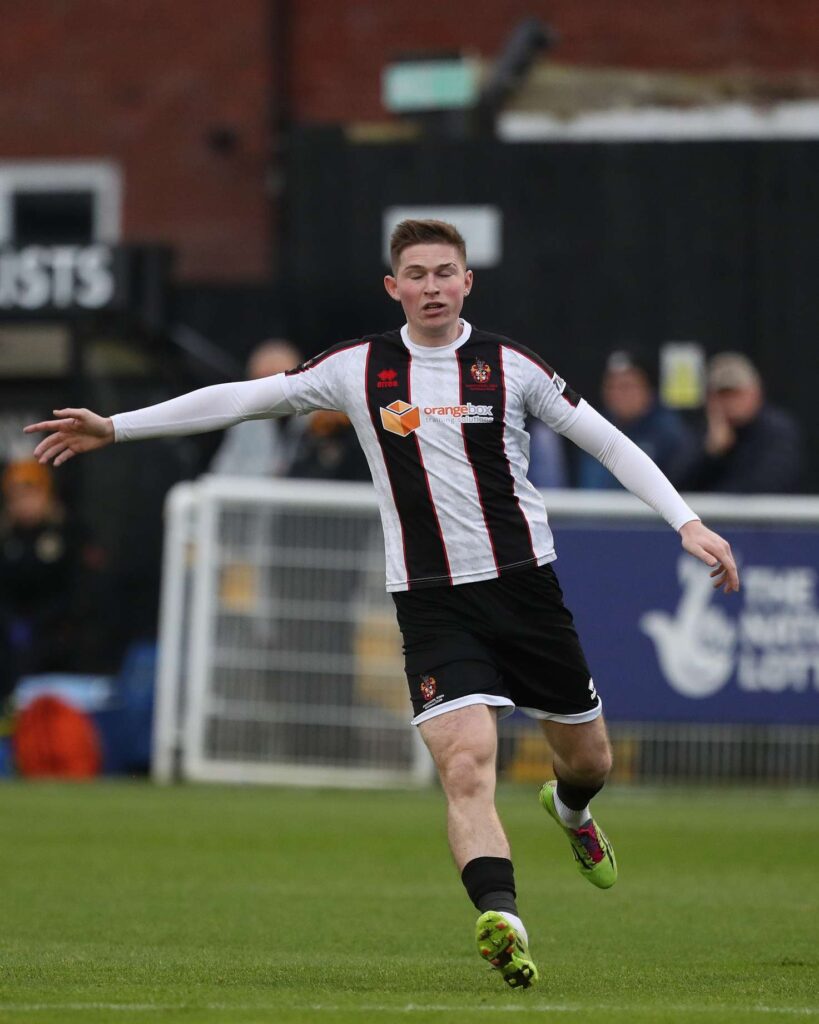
(429, 687)
(481, 371)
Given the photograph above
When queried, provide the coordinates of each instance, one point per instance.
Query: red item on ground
(55, 740)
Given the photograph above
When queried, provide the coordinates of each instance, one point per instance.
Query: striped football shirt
(443, 432)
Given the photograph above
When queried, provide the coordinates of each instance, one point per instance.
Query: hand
(76, 431)
(714, 550)
(720, 436)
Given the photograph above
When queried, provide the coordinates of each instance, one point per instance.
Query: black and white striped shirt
(443, 431)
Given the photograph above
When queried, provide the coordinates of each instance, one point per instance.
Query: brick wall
(341, 47)
(146, 83)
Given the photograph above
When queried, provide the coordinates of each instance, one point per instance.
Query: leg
(582, 753)
(582, 759)
(464, 745)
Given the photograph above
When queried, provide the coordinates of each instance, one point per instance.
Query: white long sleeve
(632, 467)
(212, 408)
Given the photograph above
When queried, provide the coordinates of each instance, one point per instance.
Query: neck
(436, 339)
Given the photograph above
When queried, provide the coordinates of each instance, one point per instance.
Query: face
(27, 505)
(627, 394)
(431, 282)
(268, 360)
(738, 405)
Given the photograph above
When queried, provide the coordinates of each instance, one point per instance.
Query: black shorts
(503, 642)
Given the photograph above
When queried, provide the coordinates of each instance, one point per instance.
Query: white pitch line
(409, 1008)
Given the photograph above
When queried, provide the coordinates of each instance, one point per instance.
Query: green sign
(429, 85)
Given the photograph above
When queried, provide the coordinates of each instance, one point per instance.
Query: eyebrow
(441, 266)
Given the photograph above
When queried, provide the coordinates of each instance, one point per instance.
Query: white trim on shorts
(584, 716)
(507, 708)
(507, 705)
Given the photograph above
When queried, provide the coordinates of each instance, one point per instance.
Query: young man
(439, 409)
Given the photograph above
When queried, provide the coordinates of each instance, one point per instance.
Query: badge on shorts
(429, 687)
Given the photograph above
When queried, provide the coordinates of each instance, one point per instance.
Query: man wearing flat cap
(749, 445)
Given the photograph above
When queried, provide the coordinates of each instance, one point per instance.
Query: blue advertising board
(663, 646)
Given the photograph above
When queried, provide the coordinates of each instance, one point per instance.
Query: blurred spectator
(49, 577)
(329, 450)
(630, 402)
(263, 447)
(749, 446)
(547, 457)
(322, 446)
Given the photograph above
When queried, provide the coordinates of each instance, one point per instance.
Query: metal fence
(280, 659)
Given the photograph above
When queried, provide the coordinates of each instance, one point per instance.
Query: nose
(430, 285)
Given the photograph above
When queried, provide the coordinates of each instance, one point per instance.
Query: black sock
(576, 797)
(490, 883)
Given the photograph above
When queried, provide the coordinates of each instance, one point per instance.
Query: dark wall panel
(604, 244)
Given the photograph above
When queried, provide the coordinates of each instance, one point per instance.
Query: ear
(391, 286)
(468, 279)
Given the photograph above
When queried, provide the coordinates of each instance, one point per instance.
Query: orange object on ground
(55, 740)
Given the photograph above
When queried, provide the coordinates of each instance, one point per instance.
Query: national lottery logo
(771, 646)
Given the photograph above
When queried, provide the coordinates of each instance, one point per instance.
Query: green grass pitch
(133, 903)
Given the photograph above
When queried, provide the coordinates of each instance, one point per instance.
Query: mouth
(433, 307)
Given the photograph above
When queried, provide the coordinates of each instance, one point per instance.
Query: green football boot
(590, 845)
(505, 949)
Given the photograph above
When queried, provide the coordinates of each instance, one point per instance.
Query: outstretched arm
(635, 471)
(212, 408)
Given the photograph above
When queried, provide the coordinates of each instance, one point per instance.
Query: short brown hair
(424, 232)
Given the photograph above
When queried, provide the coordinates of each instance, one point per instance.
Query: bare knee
(467, 774)
(464, 745)
(582, 752)
(590, 765)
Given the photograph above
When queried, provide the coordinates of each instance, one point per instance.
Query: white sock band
(569, 817)
(516, 923)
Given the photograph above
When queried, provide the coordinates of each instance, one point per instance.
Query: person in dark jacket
(630, 402)
(749, 446)
(49, 575)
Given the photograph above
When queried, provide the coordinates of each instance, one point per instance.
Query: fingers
(52, 444)
(731, 575)
(715, 551)
(48, 442)
(726, 578)
(51, 447)
(64, 457)
(34, 428)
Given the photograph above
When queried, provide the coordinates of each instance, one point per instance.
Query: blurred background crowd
(191, 193)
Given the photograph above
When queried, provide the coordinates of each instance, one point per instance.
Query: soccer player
(439, 408)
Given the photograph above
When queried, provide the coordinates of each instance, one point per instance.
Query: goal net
(280, 658)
